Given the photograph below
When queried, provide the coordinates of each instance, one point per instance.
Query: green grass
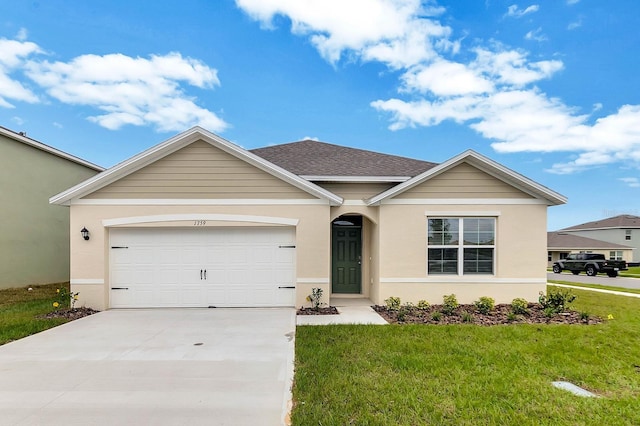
(20, 307)
(599, 286)
(472, 375)
(633, 272)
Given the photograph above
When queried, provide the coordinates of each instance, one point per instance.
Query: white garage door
(202, 267)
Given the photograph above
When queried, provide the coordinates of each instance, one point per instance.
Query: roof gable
(484, 164)
(321, 161)
(176, 143)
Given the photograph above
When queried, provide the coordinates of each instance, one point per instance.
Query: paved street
(600, 279)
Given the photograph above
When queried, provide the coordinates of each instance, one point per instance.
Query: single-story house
(622, 229)
(199, 221)
(34, 242)
(560, 244)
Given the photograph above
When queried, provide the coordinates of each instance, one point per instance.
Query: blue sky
(548, 88)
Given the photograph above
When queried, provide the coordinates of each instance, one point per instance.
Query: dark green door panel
(346, 259)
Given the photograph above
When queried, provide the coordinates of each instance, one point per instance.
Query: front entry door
(346, 259)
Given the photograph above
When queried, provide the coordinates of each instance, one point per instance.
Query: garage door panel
(162, 267)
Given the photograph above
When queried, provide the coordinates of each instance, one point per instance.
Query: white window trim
(460, 246)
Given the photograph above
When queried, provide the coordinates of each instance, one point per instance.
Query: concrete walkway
(352, 311)
(152, 367)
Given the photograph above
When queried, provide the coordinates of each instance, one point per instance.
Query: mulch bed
(327, 310)
(500, 315)
(70, 314)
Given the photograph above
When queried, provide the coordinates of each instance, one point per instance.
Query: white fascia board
(46, 148)
(356, 179)
(483, 163)
(175, 143)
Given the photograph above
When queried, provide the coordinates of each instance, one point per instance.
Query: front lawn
(472, 375)
(20, 308)
(633, 272)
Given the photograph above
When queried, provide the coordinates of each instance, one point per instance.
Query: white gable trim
(355, 179)
(197, 202)
(482, 163)
(180, 141)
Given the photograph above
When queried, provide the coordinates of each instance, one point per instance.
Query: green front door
(346, 259)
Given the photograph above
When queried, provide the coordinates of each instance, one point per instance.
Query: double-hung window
(461, 246)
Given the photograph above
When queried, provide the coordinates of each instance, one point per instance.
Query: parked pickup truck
(590, 263)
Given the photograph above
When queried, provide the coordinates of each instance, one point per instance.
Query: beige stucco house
(200, 221)
(34, 237)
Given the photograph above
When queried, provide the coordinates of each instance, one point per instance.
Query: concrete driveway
(152, 367)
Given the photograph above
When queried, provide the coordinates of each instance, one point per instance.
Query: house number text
(199, 222)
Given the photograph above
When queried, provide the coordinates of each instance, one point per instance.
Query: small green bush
(436, 316)
(511, 317)
(584, 316)
(558, 300)
(315, 298)
(393, 303)
(467, 317)
(423, 305)
(519, 306)
(484, 305)
(450, 303)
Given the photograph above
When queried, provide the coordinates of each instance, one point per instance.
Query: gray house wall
(34, 235)
(616, 236)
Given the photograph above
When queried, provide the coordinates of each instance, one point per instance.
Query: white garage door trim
(202, 267)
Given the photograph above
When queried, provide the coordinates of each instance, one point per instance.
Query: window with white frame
(461, 246)
(627, 234)
(615, 255)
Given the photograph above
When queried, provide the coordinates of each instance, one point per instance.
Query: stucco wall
(90, 259)
(616, 236)
(520, 254)
(34, 242)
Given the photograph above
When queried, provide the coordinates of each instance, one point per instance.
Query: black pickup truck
(590, 263)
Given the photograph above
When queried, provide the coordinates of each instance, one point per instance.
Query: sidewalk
(352, 311)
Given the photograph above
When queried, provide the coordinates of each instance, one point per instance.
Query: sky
(548, 88)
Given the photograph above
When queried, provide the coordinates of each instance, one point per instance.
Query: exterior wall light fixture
(85, 233)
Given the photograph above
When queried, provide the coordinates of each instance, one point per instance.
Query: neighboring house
(34, 242)
(560, 244)
(199, 221)
(622, 229)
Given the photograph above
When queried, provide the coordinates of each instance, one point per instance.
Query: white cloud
(633, 182)
(572, 2)
(395, 32)
(13, 54)
(535, 35)
(18, 120)
(309, 138)
(575, 24)
(493, 92)
(131, 91)
(515, 12)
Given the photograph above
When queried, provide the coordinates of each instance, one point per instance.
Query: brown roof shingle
(312, 158)
(569, 241)
(620, 221)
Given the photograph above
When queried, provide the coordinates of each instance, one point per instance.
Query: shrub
(436, 316)
(584, 316)
(557, 300)
(550, 312)
(423, 305)
(519, 306)
(315, 297)
(393, 303)
(450, 303)
(511, 317)
(484, 305)
(467, 317)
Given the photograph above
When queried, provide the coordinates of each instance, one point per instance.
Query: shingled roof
(620, 221)
(312, 158)
(561, 240)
